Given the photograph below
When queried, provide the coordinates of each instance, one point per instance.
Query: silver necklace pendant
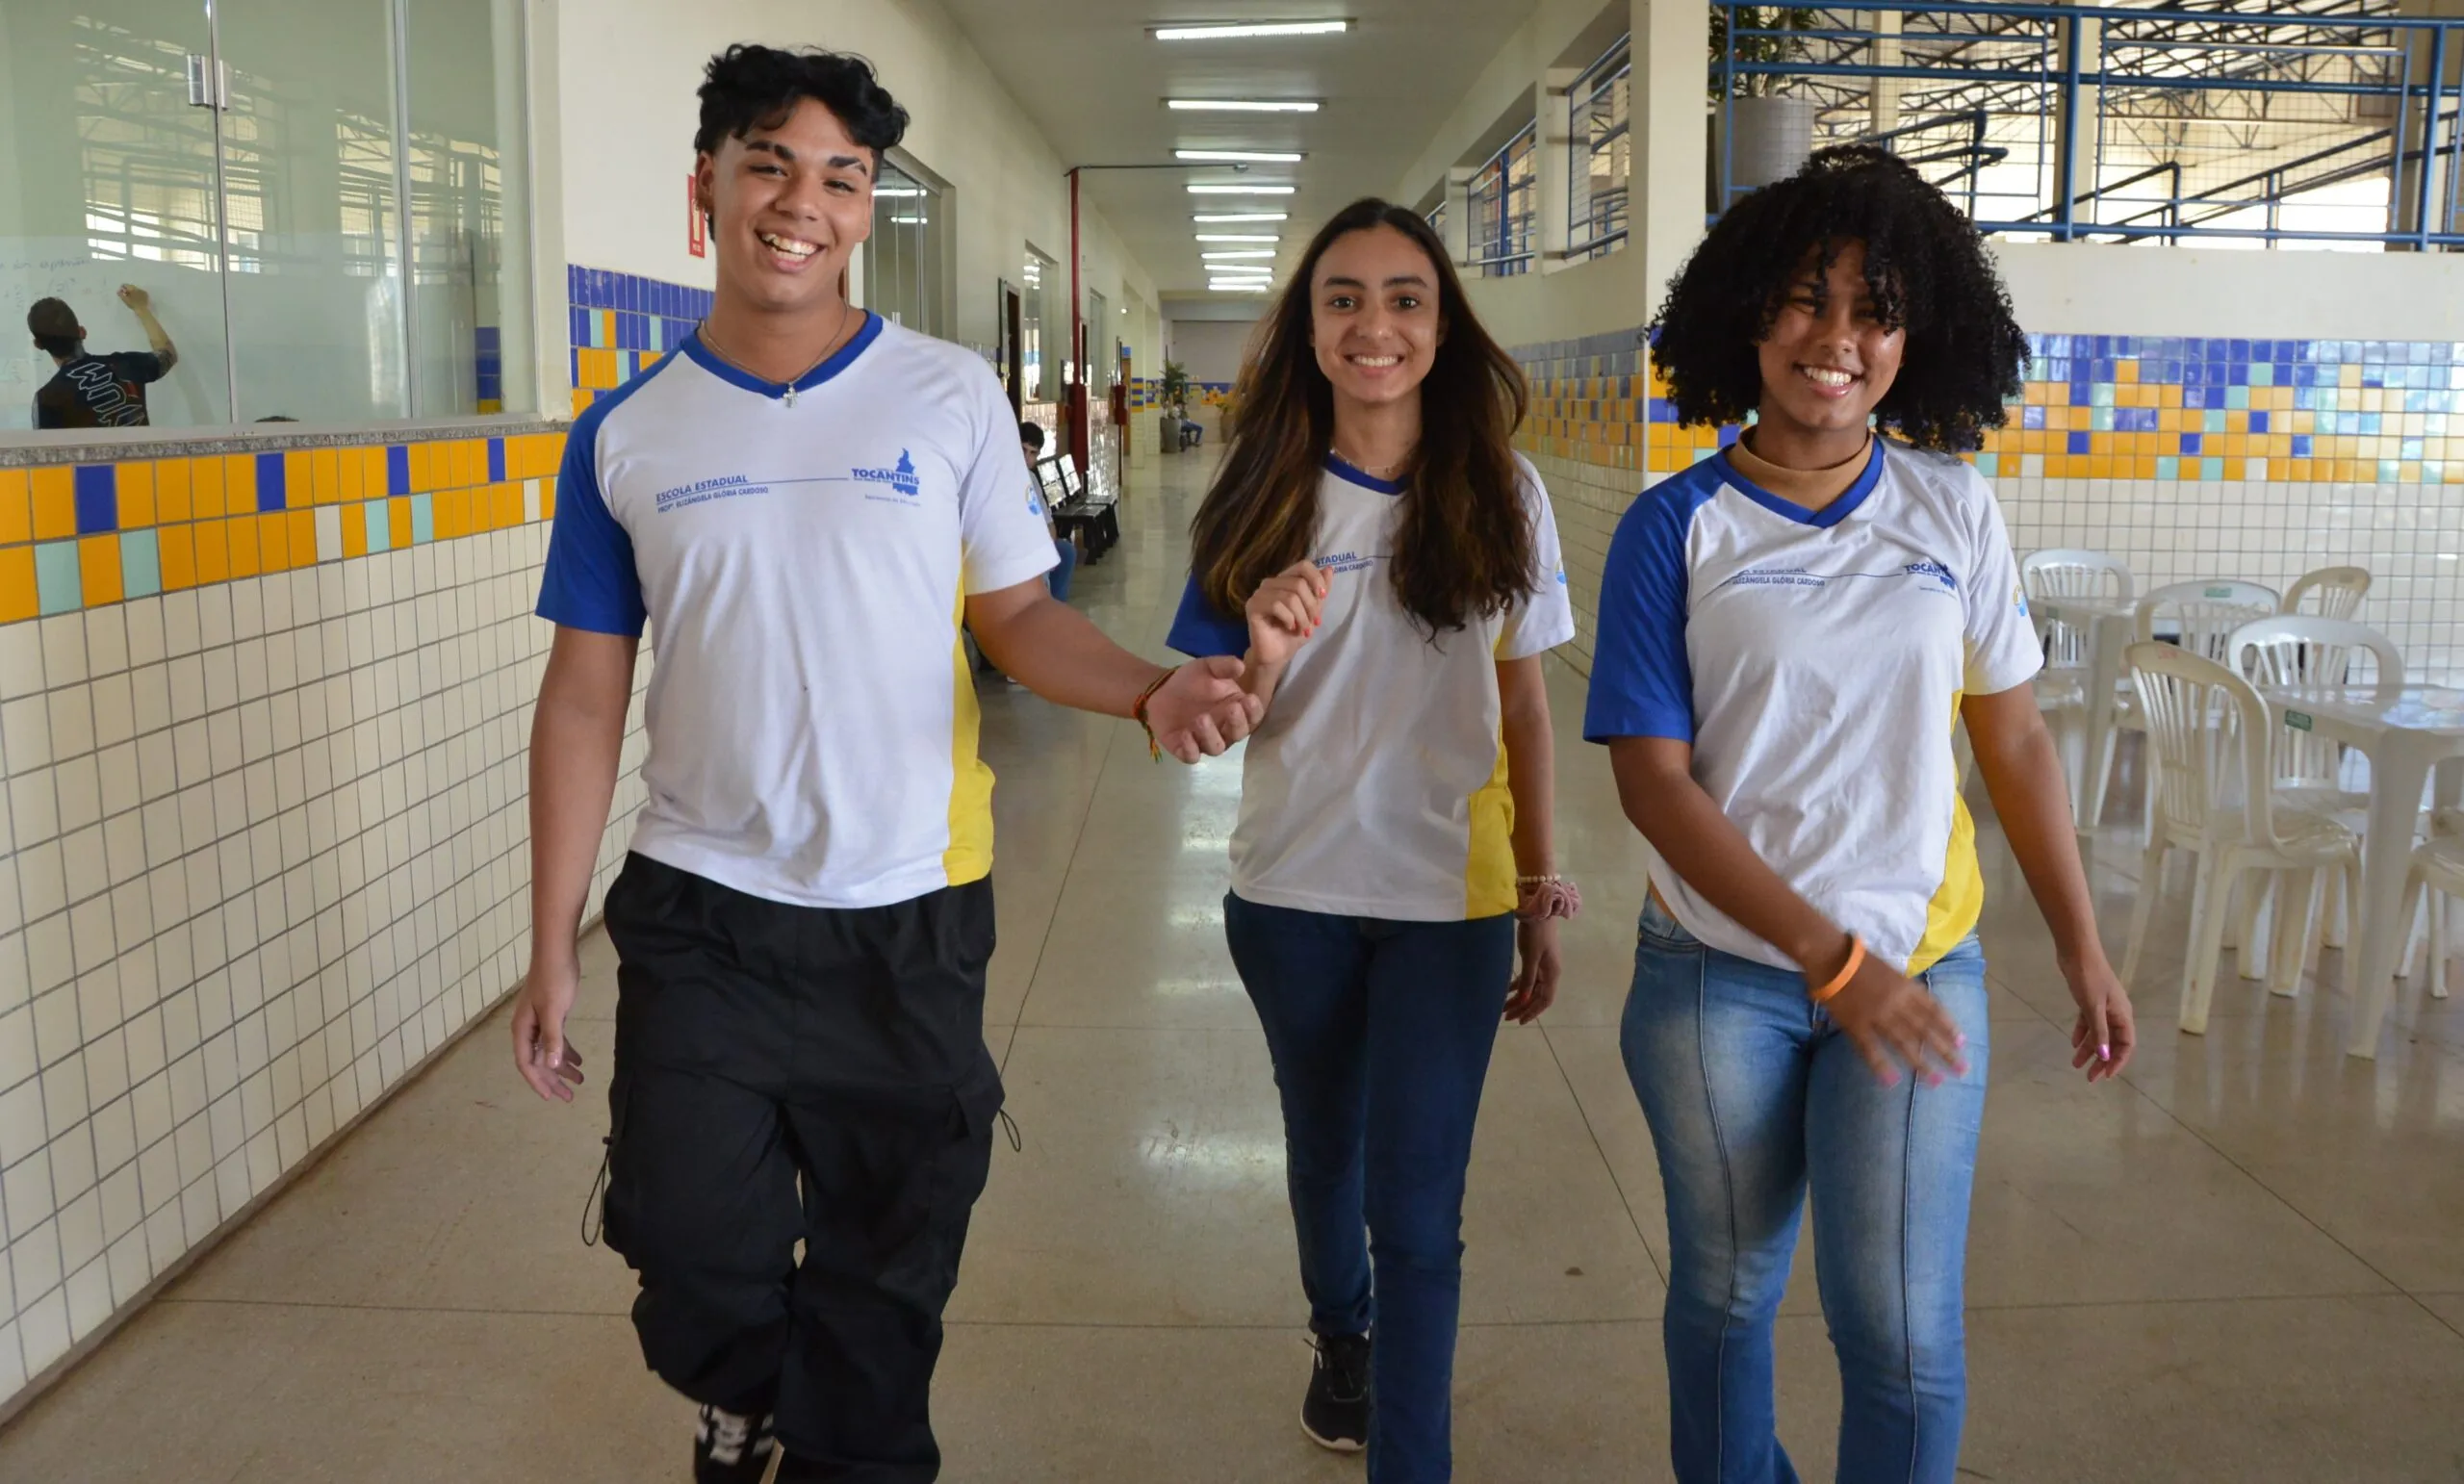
(792, 393)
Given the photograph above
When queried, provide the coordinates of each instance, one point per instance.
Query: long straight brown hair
(1464, 544)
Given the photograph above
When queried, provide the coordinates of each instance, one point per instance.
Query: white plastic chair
(2052, 576)
(2085, 576)
(2438, 873)
(2305, 651)
(2209, 737)
(2203, 615)
(2337, 592)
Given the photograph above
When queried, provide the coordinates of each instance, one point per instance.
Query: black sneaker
(1335, 1413)
(730, 1449)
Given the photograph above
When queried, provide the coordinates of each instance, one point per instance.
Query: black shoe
(1335, 1413)
(730, 1449)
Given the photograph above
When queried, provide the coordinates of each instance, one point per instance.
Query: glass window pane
(470, 239)
(309, 179)
(109, 180)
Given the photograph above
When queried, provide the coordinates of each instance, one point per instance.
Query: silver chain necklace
(1374, 471)
(789, 400)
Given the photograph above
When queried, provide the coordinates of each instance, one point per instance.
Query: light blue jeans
(1753, 1096)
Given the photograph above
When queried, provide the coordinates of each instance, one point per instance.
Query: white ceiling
(1093, 81)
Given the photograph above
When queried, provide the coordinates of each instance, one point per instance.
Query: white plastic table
(2405, 735)
(2109, 627)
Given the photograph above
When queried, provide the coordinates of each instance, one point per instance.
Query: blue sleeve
(1201, 632)
(1641, 683)
(590, 581)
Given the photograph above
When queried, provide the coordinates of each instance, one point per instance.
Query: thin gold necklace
(831, 348)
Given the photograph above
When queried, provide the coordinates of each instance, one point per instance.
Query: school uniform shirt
(1816, 660)
(803, 570)
(1376, 784)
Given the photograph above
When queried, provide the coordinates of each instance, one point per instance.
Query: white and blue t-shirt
(1816, 660)
(802, 568)
(1376, 784)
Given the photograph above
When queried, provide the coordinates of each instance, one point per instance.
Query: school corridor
(2242, 1263)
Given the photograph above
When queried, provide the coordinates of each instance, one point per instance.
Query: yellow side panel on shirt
(969, 858)
(1488, 874)
(1960, 899)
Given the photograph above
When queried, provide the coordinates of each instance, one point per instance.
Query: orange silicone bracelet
(1856, 961)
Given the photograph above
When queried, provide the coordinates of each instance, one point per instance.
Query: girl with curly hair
(1788, 634)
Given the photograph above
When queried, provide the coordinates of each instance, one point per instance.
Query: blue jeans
(1380, 1034)
(1057, 578)
(1753, 1095)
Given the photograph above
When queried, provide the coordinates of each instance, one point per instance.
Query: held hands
(1284, 611)
(1894, 1023)
(1202, 709)
(552, 1068)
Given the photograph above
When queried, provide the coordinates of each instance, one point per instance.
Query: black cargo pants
(786, 1074)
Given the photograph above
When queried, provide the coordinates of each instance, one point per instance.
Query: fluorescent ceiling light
(1238, 288)
(1226, 273)
(1245, 216)
(1240, 32)
(1240, 190)
(1245, 252)
(898, 191)
(911, 221)
(1263, 156)
(1238, 106)
(1237, 237)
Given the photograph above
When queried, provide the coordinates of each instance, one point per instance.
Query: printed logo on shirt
(901, 481)
(702, 492)
(2019, 597)
(1561, 577)
(1936, 571)
(1933, 575)
(1344, 561)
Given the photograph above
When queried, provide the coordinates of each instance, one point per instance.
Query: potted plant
(1766, 133)
(1174, 385)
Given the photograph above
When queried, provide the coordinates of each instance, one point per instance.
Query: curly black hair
(1925, 265)
(750, 87)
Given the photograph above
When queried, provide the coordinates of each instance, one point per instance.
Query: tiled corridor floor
(2244, 1263)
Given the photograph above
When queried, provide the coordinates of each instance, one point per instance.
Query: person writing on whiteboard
(1389, 568)
(1788, 632)
(97, 391)
(802, 503)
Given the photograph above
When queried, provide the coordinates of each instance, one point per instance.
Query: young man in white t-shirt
(802, 503)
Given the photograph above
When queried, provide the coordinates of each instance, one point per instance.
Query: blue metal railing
(2050, 119)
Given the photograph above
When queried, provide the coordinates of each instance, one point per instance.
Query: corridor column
(1664, 201)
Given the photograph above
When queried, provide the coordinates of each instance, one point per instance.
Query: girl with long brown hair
(1388, 569)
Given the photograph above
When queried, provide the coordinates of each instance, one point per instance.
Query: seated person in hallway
(800, 501)
(1389, 568)
(97, 391)
(1788, 634)
(1031, 444)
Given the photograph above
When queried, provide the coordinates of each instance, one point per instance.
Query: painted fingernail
(1959, 1041)
(2104, 1053)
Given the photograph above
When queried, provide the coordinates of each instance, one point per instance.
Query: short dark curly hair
(1924, 261)
(750, 87)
